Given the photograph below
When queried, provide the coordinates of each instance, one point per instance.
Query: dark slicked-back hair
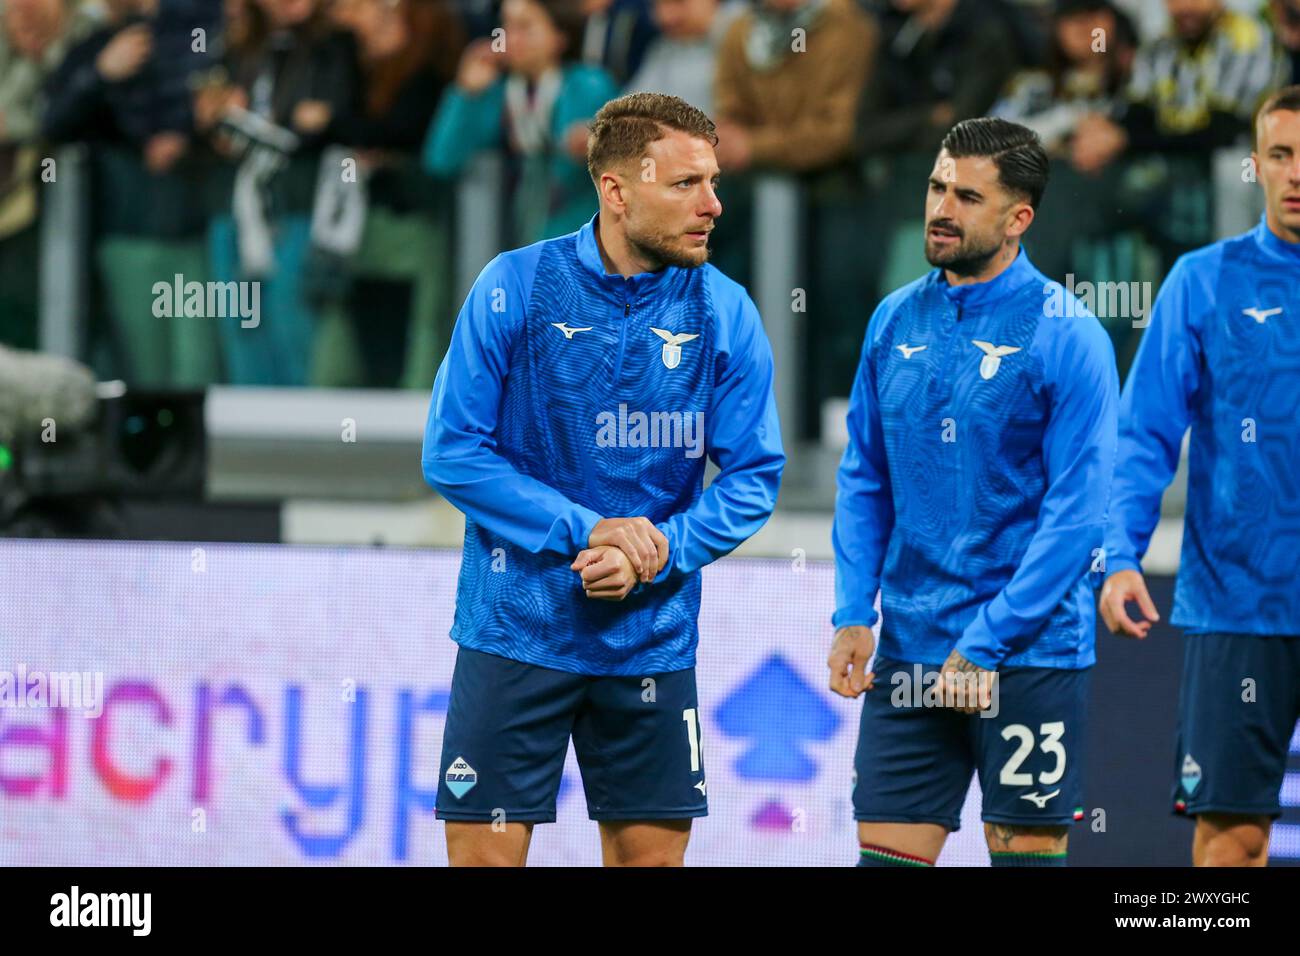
(625, 127)
(1016, 150)
(1287, 98)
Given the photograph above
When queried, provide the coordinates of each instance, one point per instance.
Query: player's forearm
(1154, 419)
(859, 538)
(1057, 558)
(729, 512)
(1140, 481)
(521, 509)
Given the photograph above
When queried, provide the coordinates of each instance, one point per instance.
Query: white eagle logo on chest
(993, 354)
(672, 350)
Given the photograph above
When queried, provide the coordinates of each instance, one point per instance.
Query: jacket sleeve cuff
(979, 646)
(583, 523)
(667, 528)
(1122, 562)
(855, 615)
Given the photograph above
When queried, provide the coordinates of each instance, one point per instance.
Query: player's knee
(899, 844)
(481, 845)
(1226, 840)
(1017, 845)
(653, 857)
(645, 844)
(487, 856)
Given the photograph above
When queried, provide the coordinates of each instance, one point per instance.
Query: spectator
(616, 35)
(125, 90)
(786, 99)
(1089, 61)
(407, 54)
(1193, 90)
(33, 37)
(942, 61)
(129, 82)
(384, 328)
(1286, 23)
(297, 75)
(533, 99)
(683, 60)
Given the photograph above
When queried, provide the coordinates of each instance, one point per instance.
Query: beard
(968, 257)
(665, 249)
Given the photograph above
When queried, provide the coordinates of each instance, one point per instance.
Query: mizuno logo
(993, 354)
(1259, 315)
(910, 350)
(568, 332)
(700, 787)
(672, 350)
(1036, 800)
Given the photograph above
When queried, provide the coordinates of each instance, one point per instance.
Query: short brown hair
(625, 127)
(1287, 98)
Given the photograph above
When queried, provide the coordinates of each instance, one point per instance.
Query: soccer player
(588, 377)
(1222, 354)
(972, 494)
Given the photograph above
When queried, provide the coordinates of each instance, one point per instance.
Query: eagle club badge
(993, 354)
(672, 350)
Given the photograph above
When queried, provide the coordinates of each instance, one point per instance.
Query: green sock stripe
(893, 856)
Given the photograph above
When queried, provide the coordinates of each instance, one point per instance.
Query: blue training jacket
(973, 491)
(1222, 354)
(568, 395)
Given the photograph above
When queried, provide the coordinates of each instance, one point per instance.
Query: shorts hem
(1192, 810)
(951, 824)
(1016, 821)
(487, 816)
(633, 815)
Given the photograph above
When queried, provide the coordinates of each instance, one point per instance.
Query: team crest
(1191, 775)
(672, 350)
(992, 359)
(461, 778)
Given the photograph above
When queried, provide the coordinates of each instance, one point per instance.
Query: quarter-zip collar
(621, 287)
(983, 295)
(1275, 247)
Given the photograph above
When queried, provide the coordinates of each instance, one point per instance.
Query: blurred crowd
(313, 145)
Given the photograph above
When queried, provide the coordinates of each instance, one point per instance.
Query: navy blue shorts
(914, 762)
(1237, 711)
(507, 735)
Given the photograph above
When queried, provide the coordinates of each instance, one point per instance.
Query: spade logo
(461, 778)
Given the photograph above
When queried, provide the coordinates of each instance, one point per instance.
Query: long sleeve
(463, 126)
(743, 438)
(1154, 413)
(1079, 459)
(864, 503)
(460, 456)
